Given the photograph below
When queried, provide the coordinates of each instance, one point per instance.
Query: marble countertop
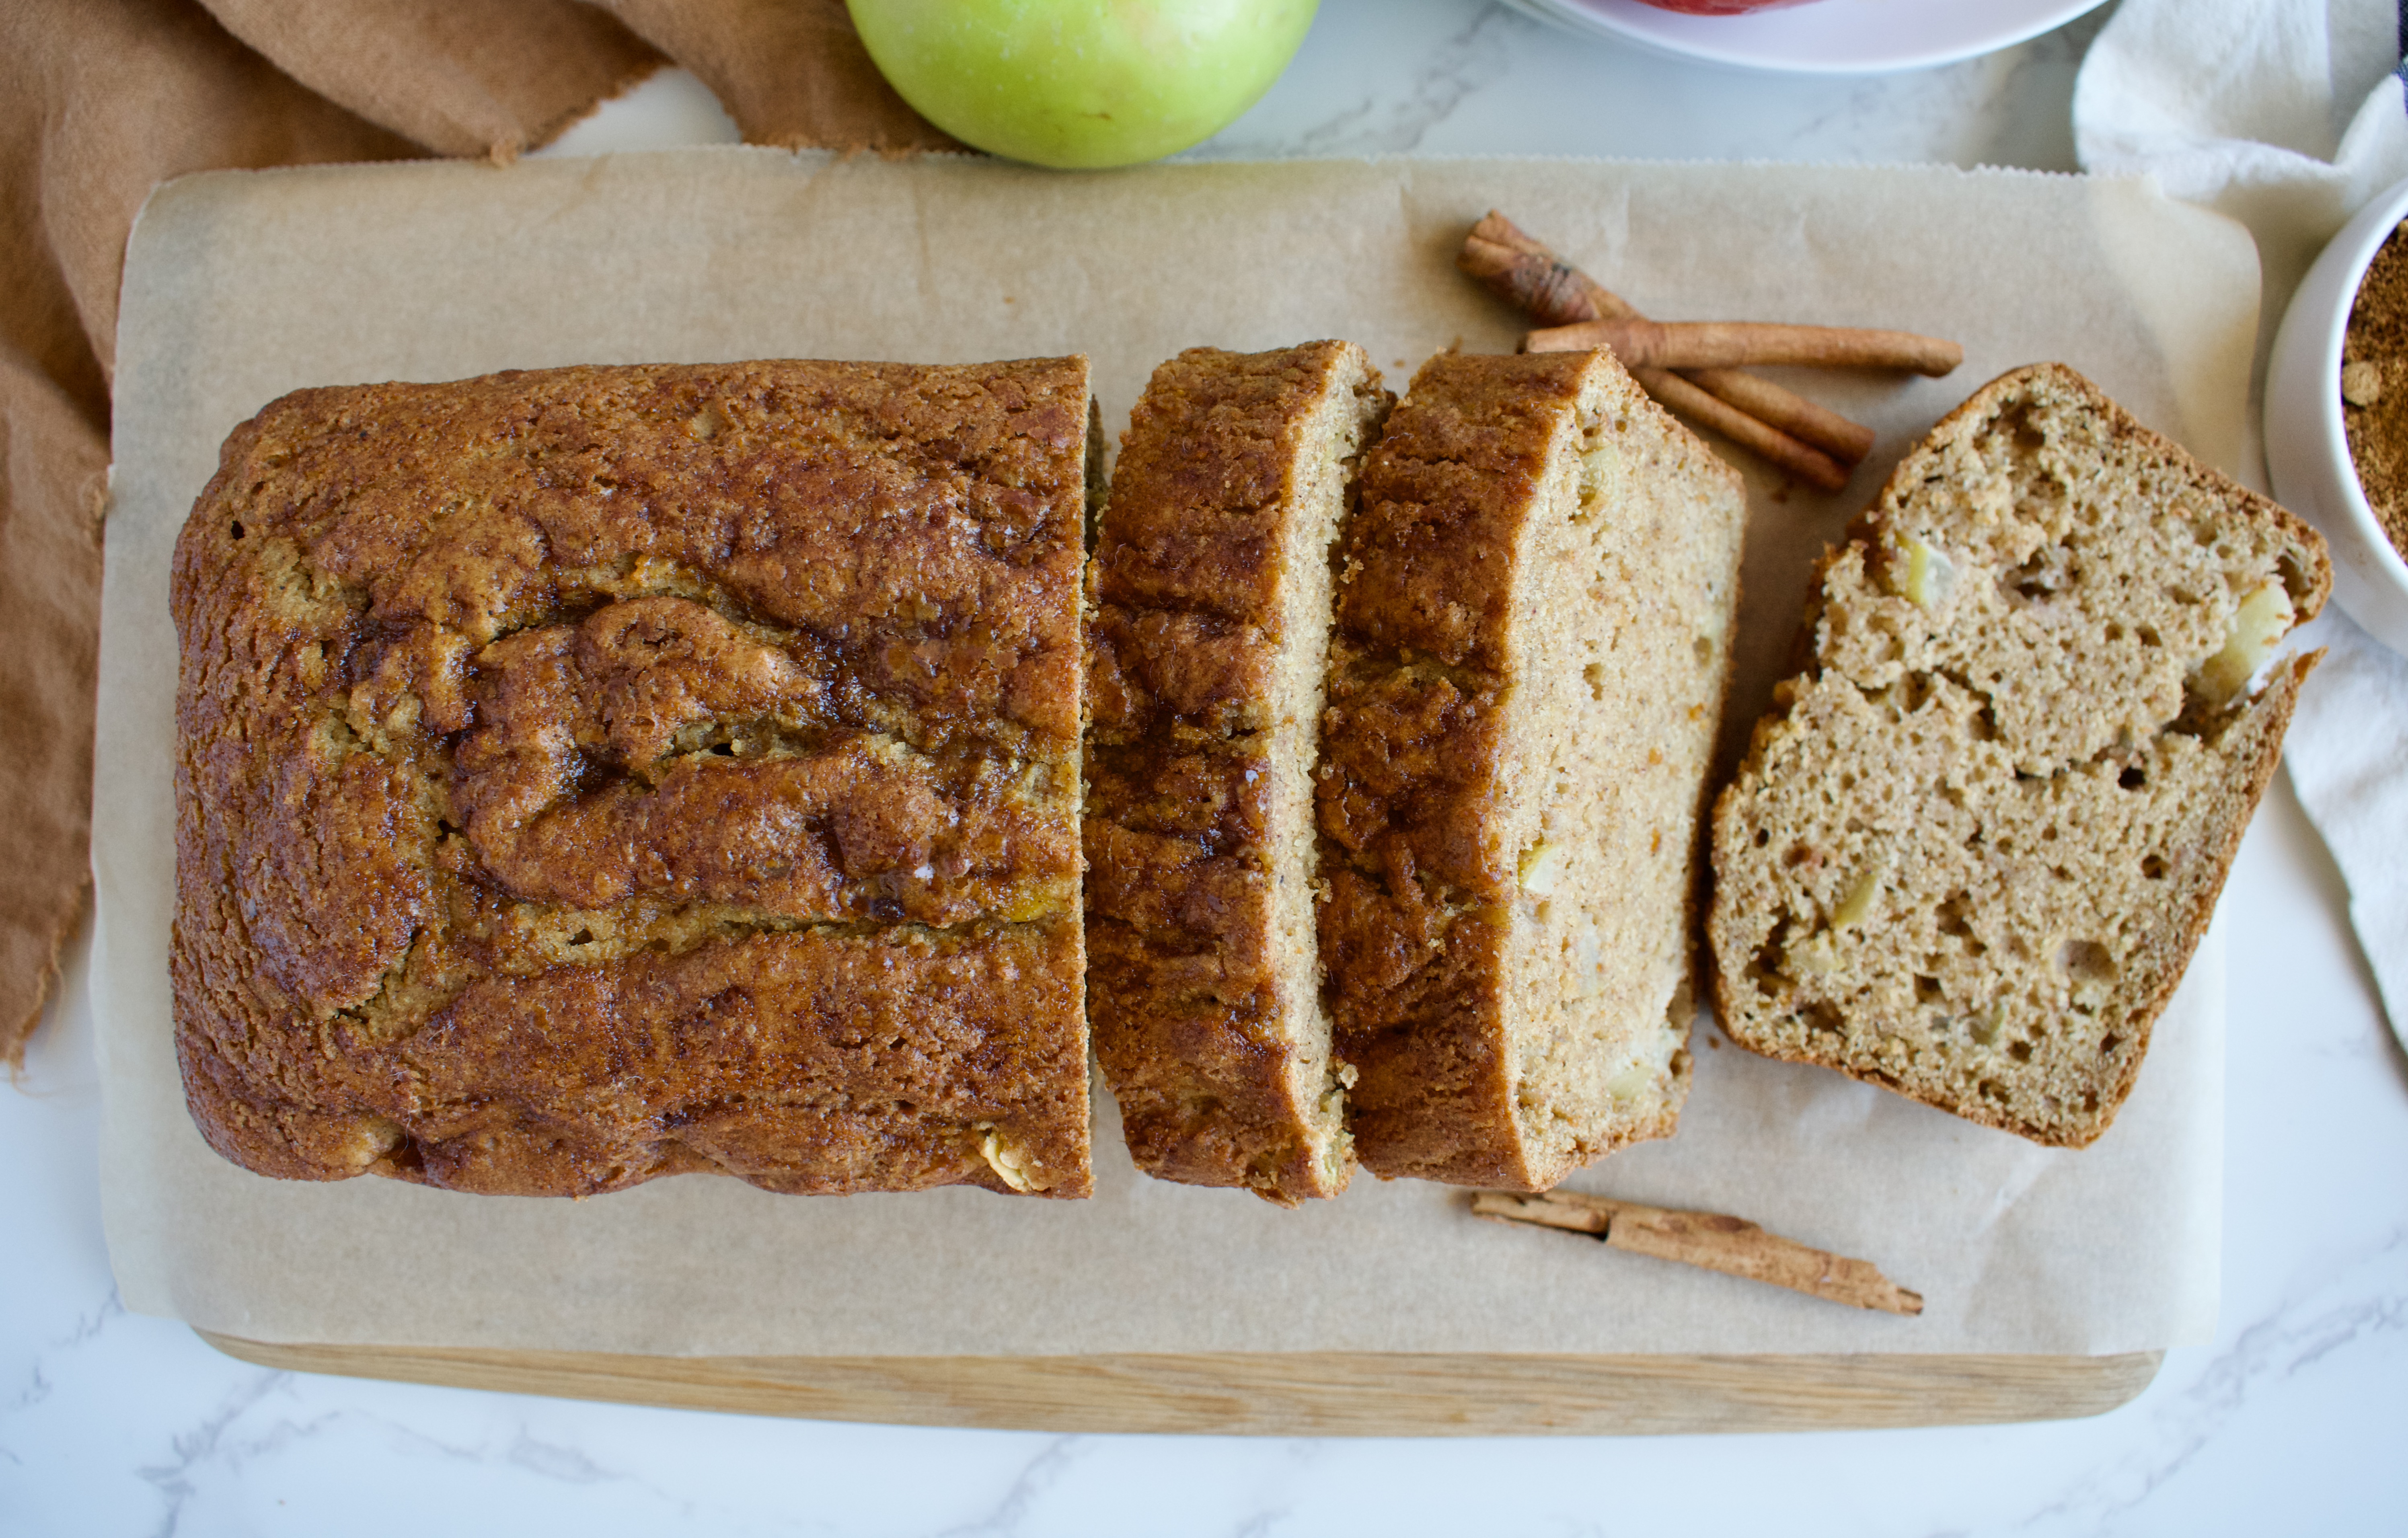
(116, 1423)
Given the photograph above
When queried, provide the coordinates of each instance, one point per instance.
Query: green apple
(1082, 83)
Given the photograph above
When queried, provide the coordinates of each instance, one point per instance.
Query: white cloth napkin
(2284, 114)
(2287, 115)
(2347, 752)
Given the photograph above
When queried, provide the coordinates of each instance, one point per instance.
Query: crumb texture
(1971, 855)
(1212, 600)
(1523, 688)
(2374, 386)
(603, 773)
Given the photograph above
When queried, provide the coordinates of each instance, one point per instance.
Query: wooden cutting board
(272, 284)
(1321, 1393)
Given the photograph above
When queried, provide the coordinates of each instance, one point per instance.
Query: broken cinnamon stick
(1789, 411)
(1731, 1245)
(1542, 285)
(1729, 344)
(1679, 393)
(1525, 272)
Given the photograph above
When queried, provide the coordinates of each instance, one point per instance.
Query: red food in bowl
(1721, 8)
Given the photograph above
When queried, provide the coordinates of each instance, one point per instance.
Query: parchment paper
(243, 285)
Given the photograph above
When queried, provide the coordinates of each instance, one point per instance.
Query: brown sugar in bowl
(2309, 431)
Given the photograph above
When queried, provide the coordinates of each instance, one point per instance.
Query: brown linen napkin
(460, 77)
(790, 72)
(102, 100)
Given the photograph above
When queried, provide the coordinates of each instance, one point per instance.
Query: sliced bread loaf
(1523, 690)
(1971, 853)
(1210, 627)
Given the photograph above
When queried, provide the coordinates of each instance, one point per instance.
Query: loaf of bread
(1536, 597)
(602, 773)
(1970, 853)
(1211, 631)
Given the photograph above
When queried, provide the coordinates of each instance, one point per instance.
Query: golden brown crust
(1410, 932)
(1414, 957)
(1431, 551)
(600, 773)
(1203, 527)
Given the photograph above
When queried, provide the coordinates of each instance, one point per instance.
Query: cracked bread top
(1971, 855)
(598, 773)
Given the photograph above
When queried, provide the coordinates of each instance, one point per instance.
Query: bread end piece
(1969, 855)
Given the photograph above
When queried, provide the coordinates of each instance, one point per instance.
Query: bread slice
(1523, 690)
(1211, 621)
(1969, 855)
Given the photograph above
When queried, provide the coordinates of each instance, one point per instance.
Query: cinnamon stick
(1788, 411)
(1525, 272)
(1542, 285)
(1693, 399)
(1729, 344)
(1731, 1245)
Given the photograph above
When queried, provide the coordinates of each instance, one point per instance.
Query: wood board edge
(1291, 1394)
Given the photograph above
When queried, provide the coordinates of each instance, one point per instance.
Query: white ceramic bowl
(2307, 453)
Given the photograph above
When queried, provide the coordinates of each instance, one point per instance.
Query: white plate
(1825, 37)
